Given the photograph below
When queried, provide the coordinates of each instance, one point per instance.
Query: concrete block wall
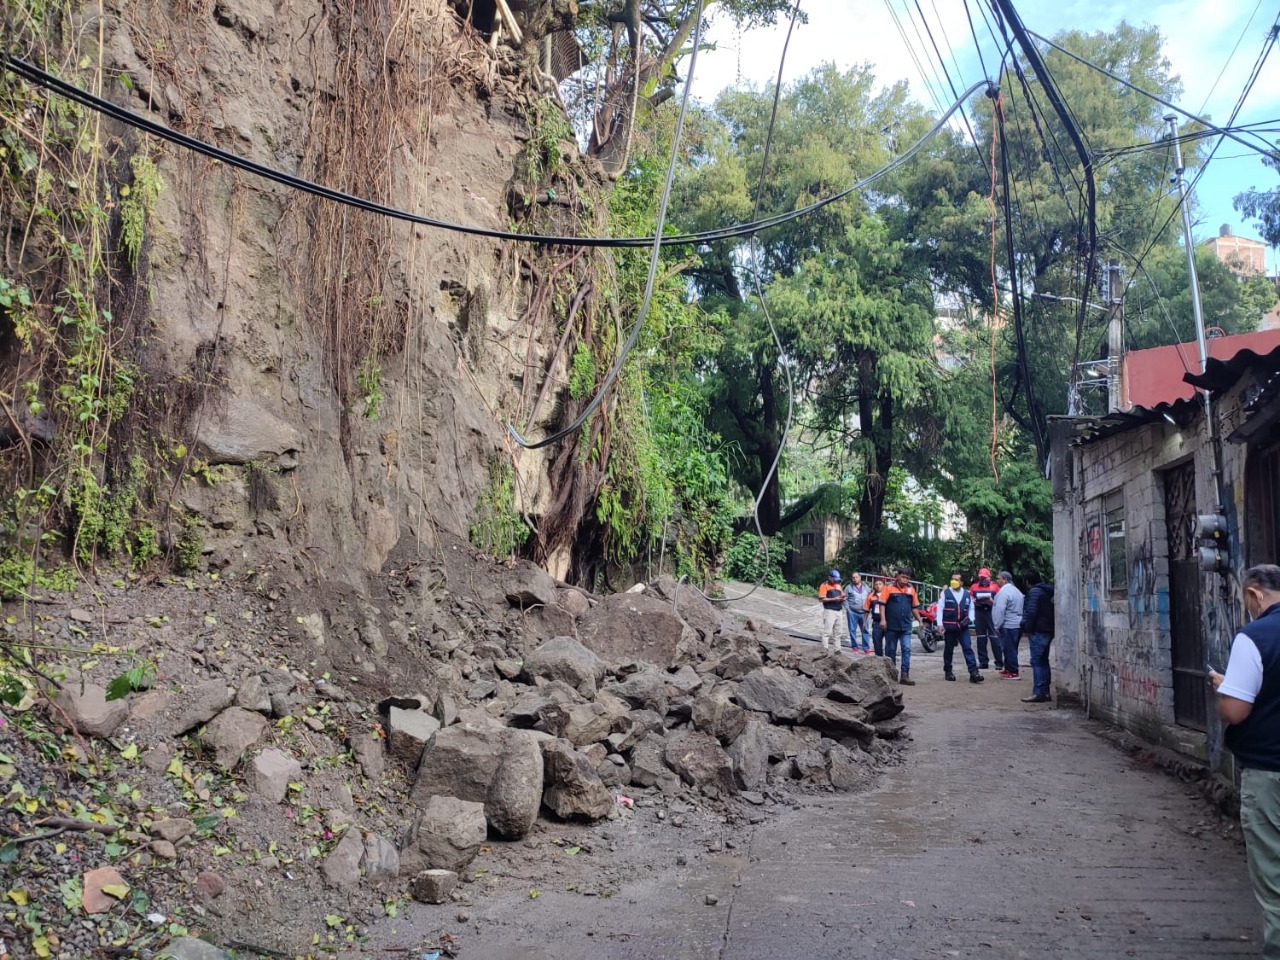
(1115, 652)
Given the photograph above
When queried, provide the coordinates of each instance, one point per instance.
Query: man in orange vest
(831, 595)
(900, 607)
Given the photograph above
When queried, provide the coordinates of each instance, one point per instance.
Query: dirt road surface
(1011, 831)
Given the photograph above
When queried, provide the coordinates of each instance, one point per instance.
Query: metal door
(1190, 696)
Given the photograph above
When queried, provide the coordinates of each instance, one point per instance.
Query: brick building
(1240, 255)
(1137, 619)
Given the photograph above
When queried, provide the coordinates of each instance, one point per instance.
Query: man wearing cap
(983, 594)
(831, 595)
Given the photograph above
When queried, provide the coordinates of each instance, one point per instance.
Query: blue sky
(1200, 36)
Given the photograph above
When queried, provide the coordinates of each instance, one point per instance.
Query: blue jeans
(858, 624)
(1041, 675)
(1009, 637)
(892, 638)
(961, 637)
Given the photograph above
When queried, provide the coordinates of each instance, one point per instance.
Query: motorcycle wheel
(929, 640)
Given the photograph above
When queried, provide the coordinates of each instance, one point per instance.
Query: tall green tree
(1264, 205)
(832, 127)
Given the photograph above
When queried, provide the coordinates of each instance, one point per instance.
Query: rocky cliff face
(323, 383)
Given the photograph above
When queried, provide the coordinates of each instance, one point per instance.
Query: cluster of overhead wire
(1073, 166)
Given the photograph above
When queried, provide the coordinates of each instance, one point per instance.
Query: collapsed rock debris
(271, 752)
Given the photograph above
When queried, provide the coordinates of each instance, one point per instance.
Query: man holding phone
(1249, 702)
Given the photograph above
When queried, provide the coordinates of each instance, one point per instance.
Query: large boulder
(515, 792)
(774, 691)
(460, 761)
(270, 774)
(447, 835)
(632, 626)
(868, 682)
(848, 769)
(649, 766)
(573, 790)
(341, 868)
(231, 733)
(529, 585)
(89, 710)
(196, 705)
(567, 660)
(700, 762)
(408, 733)
(691, 605)
(583, 724)
(525, 711)
(646, 689)
(835, 719)
(719, 717)
(750, 755)
(736, 654)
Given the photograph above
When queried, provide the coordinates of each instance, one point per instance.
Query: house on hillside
(816, 541)
(1137, 618)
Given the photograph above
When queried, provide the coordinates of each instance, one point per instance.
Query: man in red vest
(983, 593)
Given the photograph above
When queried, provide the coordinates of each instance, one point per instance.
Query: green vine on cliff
(69, 380)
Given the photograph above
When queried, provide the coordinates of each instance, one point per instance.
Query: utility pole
(1183, 193)
(1210, 527)
(1115, 339)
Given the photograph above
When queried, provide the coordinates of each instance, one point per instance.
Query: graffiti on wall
(1142, 584)
(1100, 466)
(1131, 682)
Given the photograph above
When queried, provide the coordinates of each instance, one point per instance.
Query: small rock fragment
(433, 886)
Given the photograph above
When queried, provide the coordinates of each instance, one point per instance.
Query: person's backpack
(955, 611)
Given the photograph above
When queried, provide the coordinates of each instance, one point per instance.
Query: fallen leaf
(117, 890)
(19, 897)
(130, 752)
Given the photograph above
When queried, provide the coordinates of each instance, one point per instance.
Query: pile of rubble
(646, 695)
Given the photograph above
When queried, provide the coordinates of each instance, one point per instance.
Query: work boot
(906, 680)
(976, 677)
(949, 675)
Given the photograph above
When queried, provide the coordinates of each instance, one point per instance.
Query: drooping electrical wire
(1158, 99)
(753, 254)
(654, 256)
(1086, 159)
(41, 78)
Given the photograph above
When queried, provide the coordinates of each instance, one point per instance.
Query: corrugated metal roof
(1220, 374)
(1163, 374)
(1088, 429)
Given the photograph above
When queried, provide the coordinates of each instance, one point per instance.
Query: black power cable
(1224, 131)
(654, 256)
(41, 78)
(1020, 334)
(1086, 159)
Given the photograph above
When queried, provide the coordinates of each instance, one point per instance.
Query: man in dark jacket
(1249, 700)
(1037, 625)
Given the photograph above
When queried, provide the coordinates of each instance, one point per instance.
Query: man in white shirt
(1249, 701)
